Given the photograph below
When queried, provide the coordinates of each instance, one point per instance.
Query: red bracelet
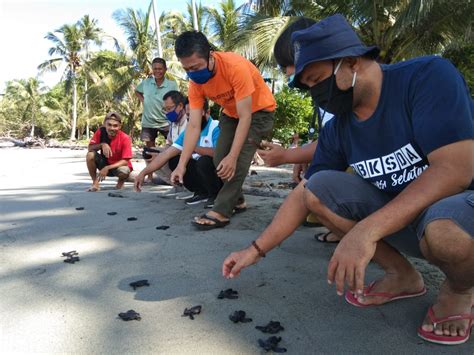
(260, 251)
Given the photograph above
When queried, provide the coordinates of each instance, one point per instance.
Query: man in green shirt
(150, 92)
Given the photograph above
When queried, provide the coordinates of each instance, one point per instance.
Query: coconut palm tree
(67, 42)
(140, 36)
(91, 32)
(224, 23)
(28, 95)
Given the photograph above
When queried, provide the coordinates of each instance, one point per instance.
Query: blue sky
(24, 23)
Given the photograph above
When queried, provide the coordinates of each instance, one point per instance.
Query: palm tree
(90, 33)
(67, 42)
(140, 36)
(29, 96)
(224, 23)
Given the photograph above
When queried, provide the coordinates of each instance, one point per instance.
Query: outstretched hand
(138, 183)
(177, 176)
(350, 259)
(239, 260)
(272, 154)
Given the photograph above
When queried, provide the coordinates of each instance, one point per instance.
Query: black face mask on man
(332, 99)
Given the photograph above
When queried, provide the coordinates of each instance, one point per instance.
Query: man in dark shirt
(407, 130)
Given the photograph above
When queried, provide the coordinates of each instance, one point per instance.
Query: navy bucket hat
(330, 38)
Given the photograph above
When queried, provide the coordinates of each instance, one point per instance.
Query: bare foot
(119, 185)
(450, 303)
(93, 188)
(393, 283)
(203, 220)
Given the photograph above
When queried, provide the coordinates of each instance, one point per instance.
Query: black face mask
(332, 99)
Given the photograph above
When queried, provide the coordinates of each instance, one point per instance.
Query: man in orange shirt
(234, 83)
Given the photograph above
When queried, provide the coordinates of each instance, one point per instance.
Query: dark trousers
(201, 177)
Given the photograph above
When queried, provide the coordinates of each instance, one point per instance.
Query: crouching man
(109, 152)
(200, 177)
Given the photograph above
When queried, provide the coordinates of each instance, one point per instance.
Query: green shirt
(153, 116)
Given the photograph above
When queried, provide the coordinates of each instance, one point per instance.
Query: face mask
(174, 116)
(200, 76)
(332, 99)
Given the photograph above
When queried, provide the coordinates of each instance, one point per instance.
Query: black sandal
(205, 227)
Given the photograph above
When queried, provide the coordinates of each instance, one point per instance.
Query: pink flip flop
(446, 339)
(351, 298)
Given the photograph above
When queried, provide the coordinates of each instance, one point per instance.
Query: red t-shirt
(121, 146)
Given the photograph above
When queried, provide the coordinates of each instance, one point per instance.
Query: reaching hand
(297, 172)
(106, 150)
(138, 183)
(236, 261)
(103, 173)
(350, 260)
(273, 155)
(177, 176)
(226, 168)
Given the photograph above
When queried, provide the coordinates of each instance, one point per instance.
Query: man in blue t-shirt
(407, 130)
(201, 177)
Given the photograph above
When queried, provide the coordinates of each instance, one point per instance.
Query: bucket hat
(330, 38)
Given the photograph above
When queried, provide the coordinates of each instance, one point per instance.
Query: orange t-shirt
(234, 79)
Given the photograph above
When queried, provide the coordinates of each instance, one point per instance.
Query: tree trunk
(74, 108)
(86, 99)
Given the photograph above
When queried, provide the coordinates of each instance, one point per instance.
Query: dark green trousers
(261, 127)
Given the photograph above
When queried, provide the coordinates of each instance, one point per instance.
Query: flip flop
(446, 339)
(324, 238)
(205, 227)
(351, 298)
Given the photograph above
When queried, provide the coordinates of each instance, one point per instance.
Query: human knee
(446, 242)
(90, 156)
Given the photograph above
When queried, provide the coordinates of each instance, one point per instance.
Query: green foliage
(463, 58)
(293, 114)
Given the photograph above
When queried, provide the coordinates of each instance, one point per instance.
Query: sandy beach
(49, 306)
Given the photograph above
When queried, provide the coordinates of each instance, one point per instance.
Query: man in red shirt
(115, 154)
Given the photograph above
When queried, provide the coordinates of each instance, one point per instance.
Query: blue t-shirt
(424, 105)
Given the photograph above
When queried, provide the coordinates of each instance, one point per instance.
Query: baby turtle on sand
(271, 344)
(191, 312)
(139, 283)
(239, 316)
(229, 293)
(272, 327)
(130, 315)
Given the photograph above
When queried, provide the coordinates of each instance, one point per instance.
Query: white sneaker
(184, 195)
(174, 191)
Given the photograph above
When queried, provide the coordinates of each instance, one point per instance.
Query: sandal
(446, 339)
(205, 227)
(322, 237)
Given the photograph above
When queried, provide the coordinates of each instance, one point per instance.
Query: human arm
(288, 217)
(155, 164)
(276, 155)
(191, 136)
(105, 170)
(226, 168)
(140, 96)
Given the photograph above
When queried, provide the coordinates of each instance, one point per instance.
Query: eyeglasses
(168, 109)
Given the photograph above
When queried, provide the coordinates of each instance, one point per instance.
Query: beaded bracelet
(260, 251)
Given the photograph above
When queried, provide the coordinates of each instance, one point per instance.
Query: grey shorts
(101, 162)
(352, 197)
(149, 134)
